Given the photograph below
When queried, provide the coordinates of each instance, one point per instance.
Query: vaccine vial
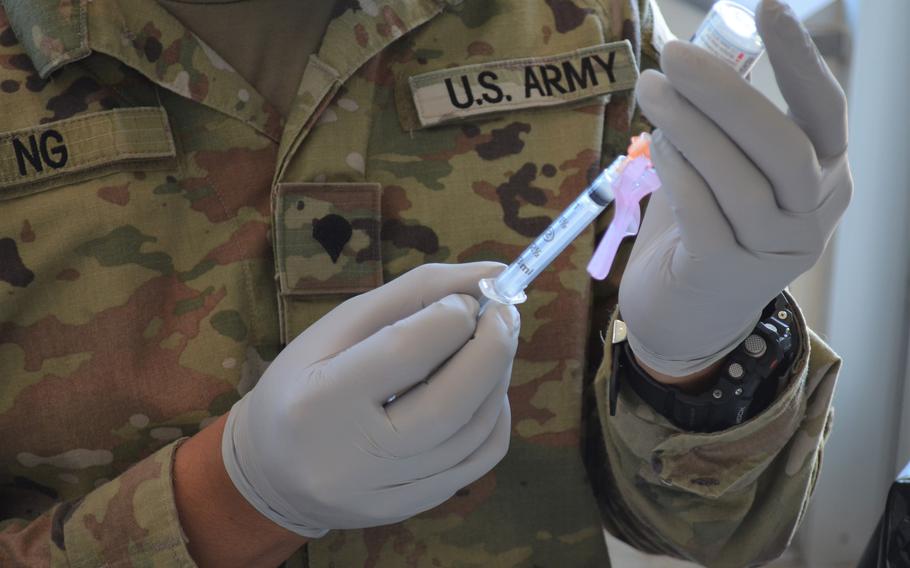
(730, 33)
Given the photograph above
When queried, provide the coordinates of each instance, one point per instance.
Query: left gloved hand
(750, 195)
(316, 445)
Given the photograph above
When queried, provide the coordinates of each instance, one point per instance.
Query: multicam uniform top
(163, 231)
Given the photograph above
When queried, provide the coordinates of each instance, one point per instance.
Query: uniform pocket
(326, 242)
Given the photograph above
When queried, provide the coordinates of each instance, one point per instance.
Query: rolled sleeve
(129, 521)
(728, 498)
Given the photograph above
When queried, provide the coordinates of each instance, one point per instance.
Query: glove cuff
(243, 472)
(684, 367)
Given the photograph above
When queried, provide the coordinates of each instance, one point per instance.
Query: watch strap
(746, 383)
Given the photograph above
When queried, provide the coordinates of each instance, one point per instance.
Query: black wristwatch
(748, 381)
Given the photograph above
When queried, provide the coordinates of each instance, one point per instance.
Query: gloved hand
(313, 446)
(750, 195)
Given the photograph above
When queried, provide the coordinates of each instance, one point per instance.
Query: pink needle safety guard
(637, 180)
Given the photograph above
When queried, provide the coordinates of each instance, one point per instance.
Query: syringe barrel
(509, 286)
(561, 232)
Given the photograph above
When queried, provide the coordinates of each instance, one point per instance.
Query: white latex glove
(750, 195)
(313, 446)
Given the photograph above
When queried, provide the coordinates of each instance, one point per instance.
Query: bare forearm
(223, 529)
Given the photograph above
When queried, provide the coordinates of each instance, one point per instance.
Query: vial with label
(730, 33)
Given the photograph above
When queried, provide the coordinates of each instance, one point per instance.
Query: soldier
(187, 198)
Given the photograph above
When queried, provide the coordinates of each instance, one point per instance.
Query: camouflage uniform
(164, 231)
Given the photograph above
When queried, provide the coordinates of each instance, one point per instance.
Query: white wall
(868, 320)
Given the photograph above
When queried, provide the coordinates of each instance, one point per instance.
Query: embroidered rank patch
(460, 92)
(72, 149)
(327, 238)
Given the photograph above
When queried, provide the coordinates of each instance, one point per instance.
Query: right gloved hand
(314, 447)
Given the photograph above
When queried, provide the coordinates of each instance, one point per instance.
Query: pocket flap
(327, 238)
(66, 151)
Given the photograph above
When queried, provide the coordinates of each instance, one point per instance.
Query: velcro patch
(35, 158)
(327, 238)
(460, 92)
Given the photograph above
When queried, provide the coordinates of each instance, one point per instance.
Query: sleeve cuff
(713, 464)
(130, 520)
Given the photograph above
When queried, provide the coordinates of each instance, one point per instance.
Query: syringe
(509, 286)
(730, 33)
